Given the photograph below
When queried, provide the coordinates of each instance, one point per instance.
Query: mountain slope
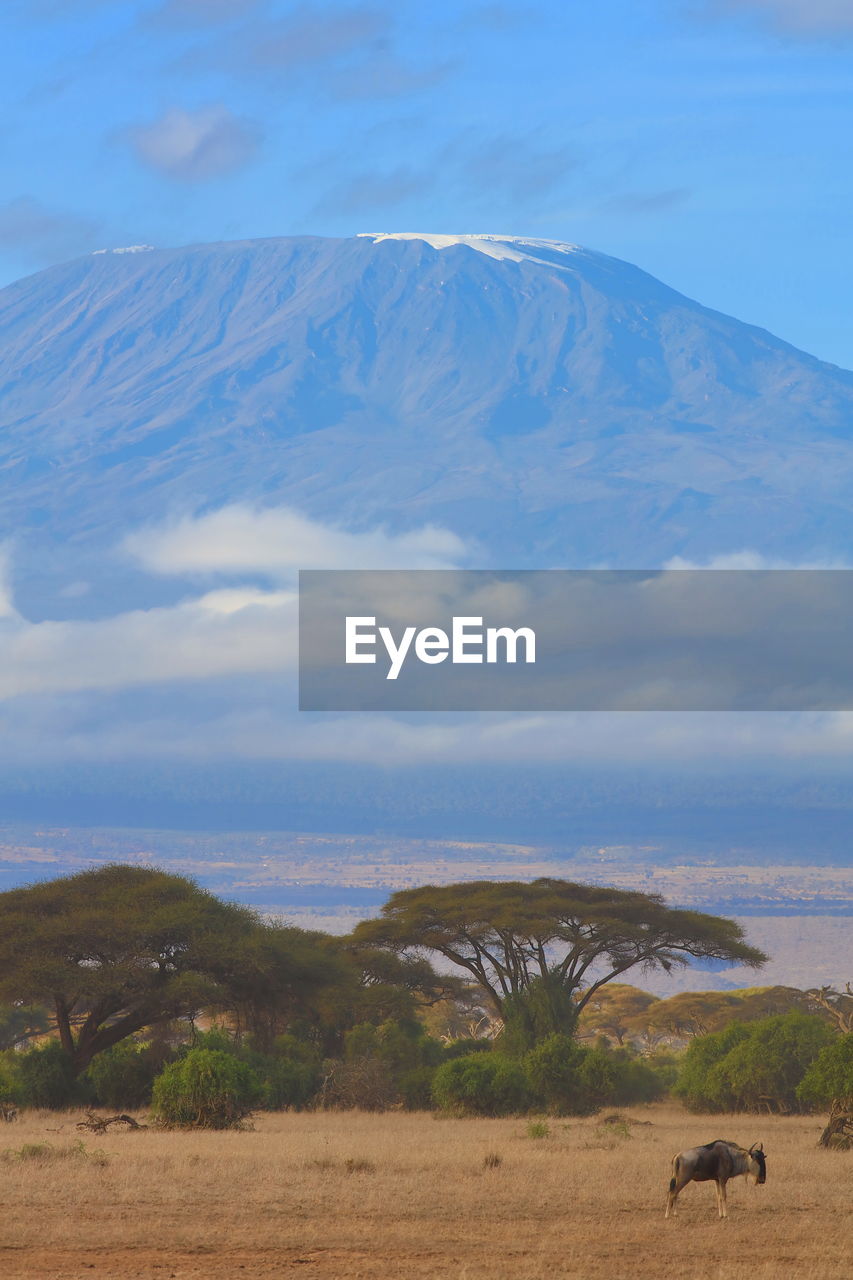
(554, 404)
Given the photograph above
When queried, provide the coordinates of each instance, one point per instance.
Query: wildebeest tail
(672, 1184)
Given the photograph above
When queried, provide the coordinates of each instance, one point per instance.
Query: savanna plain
(350, 1194)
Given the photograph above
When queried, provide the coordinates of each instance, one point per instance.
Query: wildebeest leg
(672, 1196)
(675, 1185)
(721, 1198)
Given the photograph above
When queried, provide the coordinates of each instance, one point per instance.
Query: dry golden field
(335, 1196)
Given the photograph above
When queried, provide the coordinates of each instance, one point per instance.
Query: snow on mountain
(547, 403)
(504, 248)
(128, 248)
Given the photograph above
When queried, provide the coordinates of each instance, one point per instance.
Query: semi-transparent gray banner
(585, 640)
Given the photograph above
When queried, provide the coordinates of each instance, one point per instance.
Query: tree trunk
(63, 1022)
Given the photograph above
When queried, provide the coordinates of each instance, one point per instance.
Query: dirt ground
(343, 1196)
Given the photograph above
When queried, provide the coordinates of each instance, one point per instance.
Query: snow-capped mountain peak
(504, 248)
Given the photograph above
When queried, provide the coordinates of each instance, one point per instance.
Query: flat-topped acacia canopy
(569, 938)
(117, 948)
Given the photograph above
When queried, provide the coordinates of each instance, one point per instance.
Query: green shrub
(401, 1043)
(597, 1078)
(416, 1088)
(697, 1085)
(9, 1076)
(766, 1068)
(288, 1076)
(553, 1069)
(640, 1080)
(206, 1089)
(753, 1066)
(829, 1078)
(123, 1077)
(46, 1078)
(482, 1084)
(571, 1080)
(284, 1083)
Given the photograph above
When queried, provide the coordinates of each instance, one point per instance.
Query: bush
(598, 1076)
(554, 1071)
(572, 1080)
(416, 1088)
(45, 1078)
(207, 1089)
(288, 1076)
(123, 1077)
(641, 1079)
(754, 1066)
(829, 1079)
(482, 1084)
(9, 1077)
(401, 1043)
(697, 1085)
(383, 1065)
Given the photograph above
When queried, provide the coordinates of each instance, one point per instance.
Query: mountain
(553, 404)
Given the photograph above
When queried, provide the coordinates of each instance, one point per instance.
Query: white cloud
(194, 146)
(228, 657)
(279, 541)
(221, 634)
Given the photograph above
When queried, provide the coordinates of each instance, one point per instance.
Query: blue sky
(708, 141)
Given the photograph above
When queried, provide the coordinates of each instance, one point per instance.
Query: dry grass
(350, 1195)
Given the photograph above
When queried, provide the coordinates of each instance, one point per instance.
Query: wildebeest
(715, 1162)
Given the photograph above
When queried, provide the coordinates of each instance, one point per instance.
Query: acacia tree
(617, 1011)
(540, 951)
(112, 950)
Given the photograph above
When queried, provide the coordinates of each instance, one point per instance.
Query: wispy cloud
(194, 146)
(344, 51)
(201, 13)
(366, 192)
(806, 17)
(501, 17)
(387, 76)
(503, 173)
(647, 202)
(310, 35)
(515, 168)
(43, 235)
(55, 10)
